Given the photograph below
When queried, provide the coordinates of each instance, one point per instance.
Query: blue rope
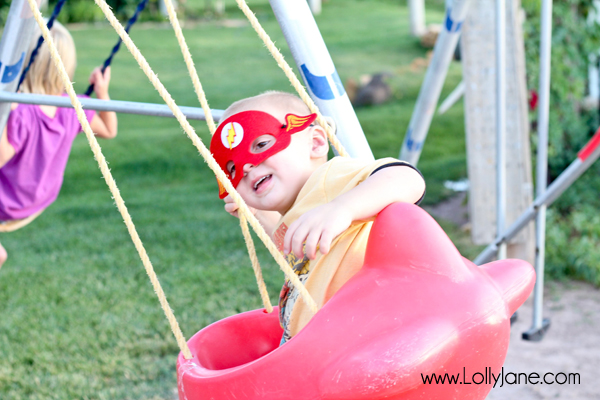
(35, 51)
(115, 49)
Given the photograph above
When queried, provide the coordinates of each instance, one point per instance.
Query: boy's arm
(104, 123)
(320, 226)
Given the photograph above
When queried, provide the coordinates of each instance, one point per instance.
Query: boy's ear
(319, 144)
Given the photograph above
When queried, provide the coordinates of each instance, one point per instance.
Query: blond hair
(43, 77)
(276, 103)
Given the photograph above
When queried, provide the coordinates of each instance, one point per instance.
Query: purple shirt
(31, 179)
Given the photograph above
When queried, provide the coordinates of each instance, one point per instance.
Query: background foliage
(573, 243)
(78, 317)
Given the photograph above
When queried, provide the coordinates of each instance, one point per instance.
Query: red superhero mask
(234, 138)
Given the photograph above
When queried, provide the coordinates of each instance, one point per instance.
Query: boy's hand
(318, 227)
(232, 208)
(100, 82)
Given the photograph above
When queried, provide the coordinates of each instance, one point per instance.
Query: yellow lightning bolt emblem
(294, 121)
(231, 136)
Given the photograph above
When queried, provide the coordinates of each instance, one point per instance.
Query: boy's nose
(247, 168)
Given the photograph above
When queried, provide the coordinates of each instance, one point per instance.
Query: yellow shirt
(326, 274)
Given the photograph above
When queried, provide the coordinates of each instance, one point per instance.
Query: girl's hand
(232, 208)
(316, 229)
(100, 82)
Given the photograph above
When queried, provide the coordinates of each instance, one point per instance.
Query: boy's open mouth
(262, 180)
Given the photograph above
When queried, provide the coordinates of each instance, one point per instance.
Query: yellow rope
(292, 77)
(262, 288)
(213, 165)
(110, 181)
(190, 65)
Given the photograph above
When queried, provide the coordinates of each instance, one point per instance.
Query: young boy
(319, 212)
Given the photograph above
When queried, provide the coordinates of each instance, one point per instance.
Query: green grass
(78, 316)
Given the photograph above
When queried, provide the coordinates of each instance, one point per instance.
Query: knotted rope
(262, 288)
(110, 181)
(213, 165)
(292, 77)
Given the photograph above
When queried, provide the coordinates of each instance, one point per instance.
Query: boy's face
(275, 183)
(268, 162)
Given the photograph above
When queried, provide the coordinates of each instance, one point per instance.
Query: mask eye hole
(262, 143)
(231, 169)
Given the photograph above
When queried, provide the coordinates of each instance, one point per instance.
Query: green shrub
(88, 11)
(573, 243)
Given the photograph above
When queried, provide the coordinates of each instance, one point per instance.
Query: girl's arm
(104, 123)
(6, 149)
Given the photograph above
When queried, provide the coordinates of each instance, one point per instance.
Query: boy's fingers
(298, 241)
(287, 239)
(325, 242)
(311, 243)
(231, 207)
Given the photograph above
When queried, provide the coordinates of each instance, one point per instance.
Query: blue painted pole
(320, 77)
(433, 82)
(17, 34)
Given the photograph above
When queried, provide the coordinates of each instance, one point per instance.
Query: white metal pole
(315, 6)
(321, 78)
(416, 9)
(542, 168)
(433, 82)
(457, 93)
(16, 37)
(501, 122)
(127, 107)
(586, 157)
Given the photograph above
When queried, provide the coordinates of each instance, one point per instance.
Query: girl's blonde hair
(43, 77)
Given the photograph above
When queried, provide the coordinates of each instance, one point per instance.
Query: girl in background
(37, 140)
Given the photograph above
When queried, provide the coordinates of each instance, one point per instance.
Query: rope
(212, 127)
(40, 41)
(140, 7)
(190, 65)
(262, 288)
(213, 165)
(110, 181)
(292, 77)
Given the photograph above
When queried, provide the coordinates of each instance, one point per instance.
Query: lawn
(78, 316)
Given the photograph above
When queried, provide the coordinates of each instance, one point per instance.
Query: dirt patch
(572, 345)
(453, 209)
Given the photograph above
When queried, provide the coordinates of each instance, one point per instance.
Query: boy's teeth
(260, 181)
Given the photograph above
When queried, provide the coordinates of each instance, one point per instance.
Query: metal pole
(17, 35)
(416, 9)
(501, 122)
(538, 326)
(457, 93)
(128, 107)
(433, 82)
(315, 6)
(586, 157)
(324, 85)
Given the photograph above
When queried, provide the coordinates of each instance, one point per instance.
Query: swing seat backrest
(416, 308)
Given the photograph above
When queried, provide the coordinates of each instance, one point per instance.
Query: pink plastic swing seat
(416, 308)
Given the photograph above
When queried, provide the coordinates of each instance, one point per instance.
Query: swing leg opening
(237, 340)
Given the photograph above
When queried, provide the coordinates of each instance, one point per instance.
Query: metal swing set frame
(325, 88)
